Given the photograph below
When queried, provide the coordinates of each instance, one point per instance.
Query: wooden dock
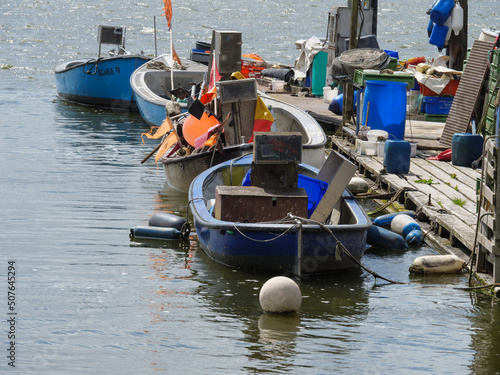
(444, 196)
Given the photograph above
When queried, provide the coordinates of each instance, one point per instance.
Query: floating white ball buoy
(358, 185)
(280, 295)
(437, 264)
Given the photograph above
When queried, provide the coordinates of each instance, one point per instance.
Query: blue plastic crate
(436, 105)
(314, 188)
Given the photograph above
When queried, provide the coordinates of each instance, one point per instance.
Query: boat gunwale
(78, 63)
(141, 89)
(203, 218)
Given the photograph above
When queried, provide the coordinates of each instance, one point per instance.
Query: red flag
(214, 75)
(167, 9)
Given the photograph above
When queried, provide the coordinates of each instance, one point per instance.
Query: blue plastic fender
(384, 238)
(385, 220)
(415, 237)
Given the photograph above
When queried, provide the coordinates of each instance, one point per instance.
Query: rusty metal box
(277, 148)
(249, 204)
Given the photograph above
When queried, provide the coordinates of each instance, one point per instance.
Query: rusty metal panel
(468, 91)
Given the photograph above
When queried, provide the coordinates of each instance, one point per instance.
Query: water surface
(91, 301)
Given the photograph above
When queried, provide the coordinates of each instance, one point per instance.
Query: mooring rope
(391, 201)
(344, 249)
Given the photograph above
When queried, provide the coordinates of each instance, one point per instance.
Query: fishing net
(364, 58)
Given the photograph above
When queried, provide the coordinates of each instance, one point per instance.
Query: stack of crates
(490, 125)
(437, 106)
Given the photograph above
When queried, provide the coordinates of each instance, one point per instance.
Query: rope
(95, 65)
(391, 201)
(263, 241)
(344, 249)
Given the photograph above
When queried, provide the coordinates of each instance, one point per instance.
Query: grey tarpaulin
(283, 74)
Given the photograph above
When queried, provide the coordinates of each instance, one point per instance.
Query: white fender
(437, 264)
(457, 18)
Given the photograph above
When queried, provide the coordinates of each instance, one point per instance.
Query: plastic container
(397, 156)
(380, 148)
(318, 75)
(438, 36)
(441, 11)
(394, 54)
(375, 135)
(336, 104)
(315, 190)
(413, 152)
(430, 26)
(466, 148)
(436, 105)
(277, 86)
(370, 147)
(384, 107)
(329, 94)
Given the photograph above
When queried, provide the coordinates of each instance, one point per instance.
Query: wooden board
(468, 91)
(337, 172)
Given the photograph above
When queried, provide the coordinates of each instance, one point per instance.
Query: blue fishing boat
(102, 81)
(152, 85)
(294, 244)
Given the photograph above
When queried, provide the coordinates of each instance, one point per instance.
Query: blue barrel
(438, 36)
(397, 156)
(387, 103)
(441, 11)
(466, 148)
(337, 103)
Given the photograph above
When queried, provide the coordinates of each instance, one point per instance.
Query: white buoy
(358, 185)
(457, 18)
(407, 227)
(437, 264)
(280, 295)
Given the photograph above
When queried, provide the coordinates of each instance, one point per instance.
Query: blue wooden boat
(292, 246)
(102, 81)
(152, 83)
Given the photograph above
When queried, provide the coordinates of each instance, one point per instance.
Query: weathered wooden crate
(250, 204)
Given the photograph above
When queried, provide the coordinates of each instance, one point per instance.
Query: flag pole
(171, 61)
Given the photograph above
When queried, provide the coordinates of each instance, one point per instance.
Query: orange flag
(209, 95)
(171, 140)
(176, 57)
(167, 9)
(161, 131)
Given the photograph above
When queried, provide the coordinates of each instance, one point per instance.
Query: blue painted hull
(154, 114)
(276, 247)
(152, 83)
(102, 83)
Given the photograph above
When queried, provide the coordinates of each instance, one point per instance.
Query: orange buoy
(194, 128)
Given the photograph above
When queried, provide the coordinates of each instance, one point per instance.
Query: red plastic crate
(450, 89)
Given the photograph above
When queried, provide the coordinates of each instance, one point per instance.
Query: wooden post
(457, 48)
(348, 103)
